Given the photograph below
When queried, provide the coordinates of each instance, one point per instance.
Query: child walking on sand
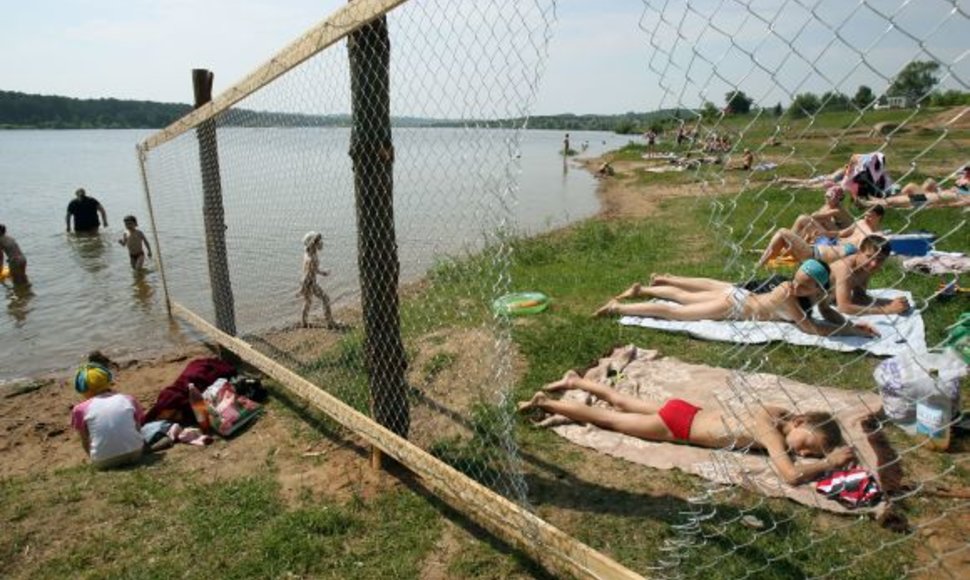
(312, 244)
(134, 239)
(108, 422)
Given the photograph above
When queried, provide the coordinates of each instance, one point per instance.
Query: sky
(603, 56)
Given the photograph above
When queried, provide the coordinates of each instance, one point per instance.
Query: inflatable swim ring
(518, 303)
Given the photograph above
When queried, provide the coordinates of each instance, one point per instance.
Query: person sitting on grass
(775, 430)
(707, 299)
(108, 422)
(832, 216)
(850, 278)
(786, 241)
(825, 247)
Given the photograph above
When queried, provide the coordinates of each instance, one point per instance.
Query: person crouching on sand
(108, 422)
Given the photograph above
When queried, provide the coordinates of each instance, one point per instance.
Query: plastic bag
(905, 379)
(228, 411)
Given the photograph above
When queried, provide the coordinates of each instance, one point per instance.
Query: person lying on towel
(925, 195)
(775, 430)
(707, 299)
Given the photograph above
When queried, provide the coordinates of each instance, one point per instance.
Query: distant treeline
(20, 110)
(25, 111)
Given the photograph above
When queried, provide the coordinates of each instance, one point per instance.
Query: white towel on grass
(898, 333)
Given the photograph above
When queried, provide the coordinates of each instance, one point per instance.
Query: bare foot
(533, 403)
(608, 309)
(631, 292)
(660, 279)
(562, 384)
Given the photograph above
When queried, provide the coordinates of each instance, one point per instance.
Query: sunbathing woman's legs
(616, 399)
(644, 426)
(689, 283)
(786, 239)
(682, 296)
(808, 228)
(717, 309)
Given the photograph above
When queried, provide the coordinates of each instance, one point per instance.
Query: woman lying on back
(707, 299)
(773, 429)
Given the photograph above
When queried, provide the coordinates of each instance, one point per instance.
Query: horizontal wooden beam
(341, 23)
(549, 546)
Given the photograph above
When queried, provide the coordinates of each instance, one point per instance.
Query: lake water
(85, 296)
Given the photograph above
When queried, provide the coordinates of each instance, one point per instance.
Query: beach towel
(938, 263)
(644, 374)
(899, 333)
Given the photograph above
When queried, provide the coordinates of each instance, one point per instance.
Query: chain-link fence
(808, 128)
(349, 212)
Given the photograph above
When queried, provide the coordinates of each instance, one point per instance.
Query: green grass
(581, 267)
(625, 510)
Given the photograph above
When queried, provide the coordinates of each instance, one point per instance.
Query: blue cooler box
(911, 244)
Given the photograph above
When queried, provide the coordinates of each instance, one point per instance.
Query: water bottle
(199, 409)
(933, 421)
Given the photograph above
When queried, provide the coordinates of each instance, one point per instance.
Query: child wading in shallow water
(136, 242)
(312, 244)
(773, 429)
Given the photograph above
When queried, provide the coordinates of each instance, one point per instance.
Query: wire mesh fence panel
(356, 212)
(823, 138)
(352, 215)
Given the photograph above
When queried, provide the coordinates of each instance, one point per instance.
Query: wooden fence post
(372, 153)
(213, 212)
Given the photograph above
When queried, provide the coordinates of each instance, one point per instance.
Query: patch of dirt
(621, 197)
(953, 118)
(449, 546)
(452, 371)
(36, 437)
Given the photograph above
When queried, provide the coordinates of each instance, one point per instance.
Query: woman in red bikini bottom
(773, 429)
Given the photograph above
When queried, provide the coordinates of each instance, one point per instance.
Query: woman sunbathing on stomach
(773, 429)
(707, 299)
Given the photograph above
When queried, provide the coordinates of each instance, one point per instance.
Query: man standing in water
(85, 211)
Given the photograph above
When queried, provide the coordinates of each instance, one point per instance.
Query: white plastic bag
(905, 379)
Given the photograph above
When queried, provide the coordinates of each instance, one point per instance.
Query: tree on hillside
(804, 105)
(709, 111)
(915, 81)
(777, 111)
(835, 101)
(950, 98)
(863, 97)
(738, 103)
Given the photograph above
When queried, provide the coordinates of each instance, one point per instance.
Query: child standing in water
(312, 244)
(134, 240)
(15, 258)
